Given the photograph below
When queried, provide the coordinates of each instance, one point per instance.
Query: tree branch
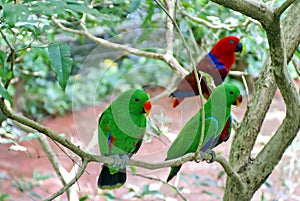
(170, 26)
(210, 25)
(197, 78)
(289, 128)
(283, 7)
(252, 8)
(230, 172)
(68, 185)
(173, 63)
(164, 182)
(13, 57)
(54, 161)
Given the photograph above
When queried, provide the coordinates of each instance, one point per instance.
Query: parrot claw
(116, 160)
(213, 156)
(125, 159)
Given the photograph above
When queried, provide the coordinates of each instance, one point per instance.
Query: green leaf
(2, 58)
(133, 5)
(84, 198)
(61, 63)
(83, 9)
(5, 94)
(30, 136)
(38, 176)
(3, 197)
(13, 13)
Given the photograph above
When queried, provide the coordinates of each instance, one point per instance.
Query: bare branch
(54, 161)
(252, 8)
(164, 182)
(283, 7)
(170, 26)
(166, 58)
(68, 185)
(289, 128)
(210, 25)
(230, 172)
(246, 87)
(13, 57)
(296, 66)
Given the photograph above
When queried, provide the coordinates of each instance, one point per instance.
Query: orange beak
(147, 107)
(238, 100)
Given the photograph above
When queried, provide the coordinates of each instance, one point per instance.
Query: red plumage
(216, 63)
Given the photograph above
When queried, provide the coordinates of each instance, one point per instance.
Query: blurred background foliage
(96, 71)
(35, 89)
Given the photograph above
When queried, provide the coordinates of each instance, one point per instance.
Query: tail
(173, 172)
(107, 180)
(177, 101)
(179, 95)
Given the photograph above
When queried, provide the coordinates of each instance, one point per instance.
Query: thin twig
(246, 88)
(170, 26)
(196, 76)
(169, 59)
(68, 185)
(13, 57)
(54, 161)
(162, 181)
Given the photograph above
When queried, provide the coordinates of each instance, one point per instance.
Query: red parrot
(216, 63)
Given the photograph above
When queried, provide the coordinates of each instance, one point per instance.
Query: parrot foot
(213, 156)
(116, 160)
(125, 159)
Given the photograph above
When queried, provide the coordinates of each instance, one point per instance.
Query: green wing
(104, 130)
(188, 139)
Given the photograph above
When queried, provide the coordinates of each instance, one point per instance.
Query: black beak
(239, 47)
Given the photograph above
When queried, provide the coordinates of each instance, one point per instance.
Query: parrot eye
(231, 41)
(231, 92)
(136, 100)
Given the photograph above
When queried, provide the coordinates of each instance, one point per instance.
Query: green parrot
(217, 112)
(121, 129)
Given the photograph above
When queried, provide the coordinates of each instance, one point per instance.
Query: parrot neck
(222, 60)
(212, 108)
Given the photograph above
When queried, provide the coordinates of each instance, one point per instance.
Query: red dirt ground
(79, 126)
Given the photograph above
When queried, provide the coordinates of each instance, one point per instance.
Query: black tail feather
(111, 181)
(173, 172)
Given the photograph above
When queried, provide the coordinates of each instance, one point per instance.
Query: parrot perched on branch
(217, 63)
(217, 111)
(121, 129)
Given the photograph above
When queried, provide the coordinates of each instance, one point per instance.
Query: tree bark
(283, 42)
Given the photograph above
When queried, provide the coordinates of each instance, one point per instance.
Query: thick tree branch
(274, 149)
(274, 71)
(283, 7)
(213, 26)
(231, 173)
(252, 8)
(256, 111)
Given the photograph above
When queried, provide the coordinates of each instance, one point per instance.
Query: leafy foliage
(47, 75)
(61, 63)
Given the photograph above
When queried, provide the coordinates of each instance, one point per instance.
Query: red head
(225, 50)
